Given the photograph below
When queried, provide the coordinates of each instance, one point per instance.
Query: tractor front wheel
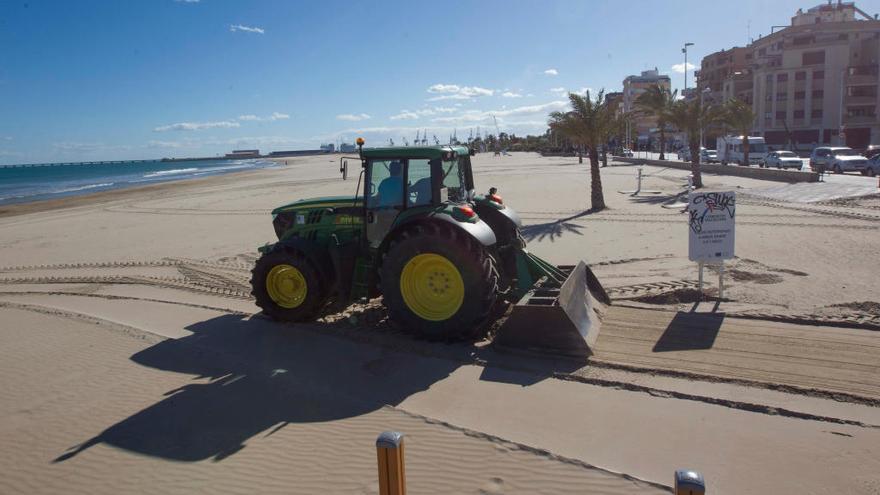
(438, 283)
(287, 287)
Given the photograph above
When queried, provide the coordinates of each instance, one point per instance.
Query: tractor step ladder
(360, 284)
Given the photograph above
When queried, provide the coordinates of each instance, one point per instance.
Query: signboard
(711, 222)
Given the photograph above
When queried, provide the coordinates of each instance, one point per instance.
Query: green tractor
(446, 261)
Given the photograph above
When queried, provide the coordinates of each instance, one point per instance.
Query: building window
(800, 76)
(813, 58)
(780, 115)
(842, 36)
(769, 96)
(798, 114)
(781, 78)
(800, 95)
(769, 80)
(762, 52)
(768, 115)
(818, 93)
(861, 91)
(802, 40)
(816, 114)
(818, 74)
(861, 112)
(781, 96)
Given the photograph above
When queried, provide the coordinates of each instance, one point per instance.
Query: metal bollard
(689, 482)
(389, 449)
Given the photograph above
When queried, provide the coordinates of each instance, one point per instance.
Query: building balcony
(859, 100)
(862, 74)
(860, 119)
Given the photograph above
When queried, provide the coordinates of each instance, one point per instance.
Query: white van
(730, 150)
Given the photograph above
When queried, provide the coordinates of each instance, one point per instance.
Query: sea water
(25, 184)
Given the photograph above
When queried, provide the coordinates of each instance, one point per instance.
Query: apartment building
(813, 82)
(633, 86)
(717, 68)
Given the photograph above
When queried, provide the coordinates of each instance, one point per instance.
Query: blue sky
(91, 80)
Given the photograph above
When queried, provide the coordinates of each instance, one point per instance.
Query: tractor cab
(407, 181)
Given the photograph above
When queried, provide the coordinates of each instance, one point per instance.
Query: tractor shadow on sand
(252, 376)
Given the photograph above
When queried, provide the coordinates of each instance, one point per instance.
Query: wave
(82, 188)
(176, 171)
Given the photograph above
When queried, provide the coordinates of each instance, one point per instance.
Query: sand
(132, 359)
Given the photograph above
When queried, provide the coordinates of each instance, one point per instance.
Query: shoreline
(90, 199)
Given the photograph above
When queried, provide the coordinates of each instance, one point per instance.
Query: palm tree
(656, 101)
(740, 116)
(690, 117)
(590, 123)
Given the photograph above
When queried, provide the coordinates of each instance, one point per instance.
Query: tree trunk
(597, 198)
(695, 164)
(746, 149)
(662, 144)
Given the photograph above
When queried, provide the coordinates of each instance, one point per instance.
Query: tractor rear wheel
(287, 287)
(438, 282)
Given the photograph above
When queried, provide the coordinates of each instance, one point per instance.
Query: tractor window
(418, 183)
(453, 187)
(385, 184)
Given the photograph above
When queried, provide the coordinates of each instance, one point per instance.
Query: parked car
(684, 154)
(628, 153)
(837, 160)
(872, 150)
(709, 156)
(873, 168)
(783, 159)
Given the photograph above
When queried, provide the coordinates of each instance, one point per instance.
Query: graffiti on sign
(711, 221)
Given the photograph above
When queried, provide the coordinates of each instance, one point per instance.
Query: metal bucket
(554, 319)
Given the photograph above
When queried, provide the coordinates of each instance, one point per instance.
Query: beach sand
(131, 359)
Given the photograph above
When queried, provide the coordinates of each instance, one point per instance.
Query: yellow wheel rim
(286, 286)
(432, 287)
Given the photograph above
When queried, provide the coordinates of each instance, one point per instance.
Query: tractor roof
(428, 152)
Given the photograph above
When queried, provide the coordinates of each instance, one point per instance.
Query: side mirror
(343, 169)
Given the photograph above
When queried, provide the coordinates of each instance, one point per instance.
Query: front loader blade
(563, 320)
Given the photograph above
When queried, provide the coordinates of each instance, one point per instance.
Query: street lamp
(685, 51)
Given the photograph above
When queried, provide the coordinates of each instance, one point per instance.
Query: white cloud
(247, 29)
(197, 126)
(405, 115)
(485, 117)
(354, 117)
(680, 67)
(253, 118)
(8, 138)
(511, 94)
(456, 92)
(425, 112)
(551, 72)
(563, 92)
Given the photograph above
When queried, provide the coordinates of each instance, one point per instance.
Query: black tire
(870, 172)
(837, 169)
(477, 269)
(316, 294)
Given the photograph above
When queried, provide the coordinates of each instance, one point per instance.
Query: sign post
(711, 229)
